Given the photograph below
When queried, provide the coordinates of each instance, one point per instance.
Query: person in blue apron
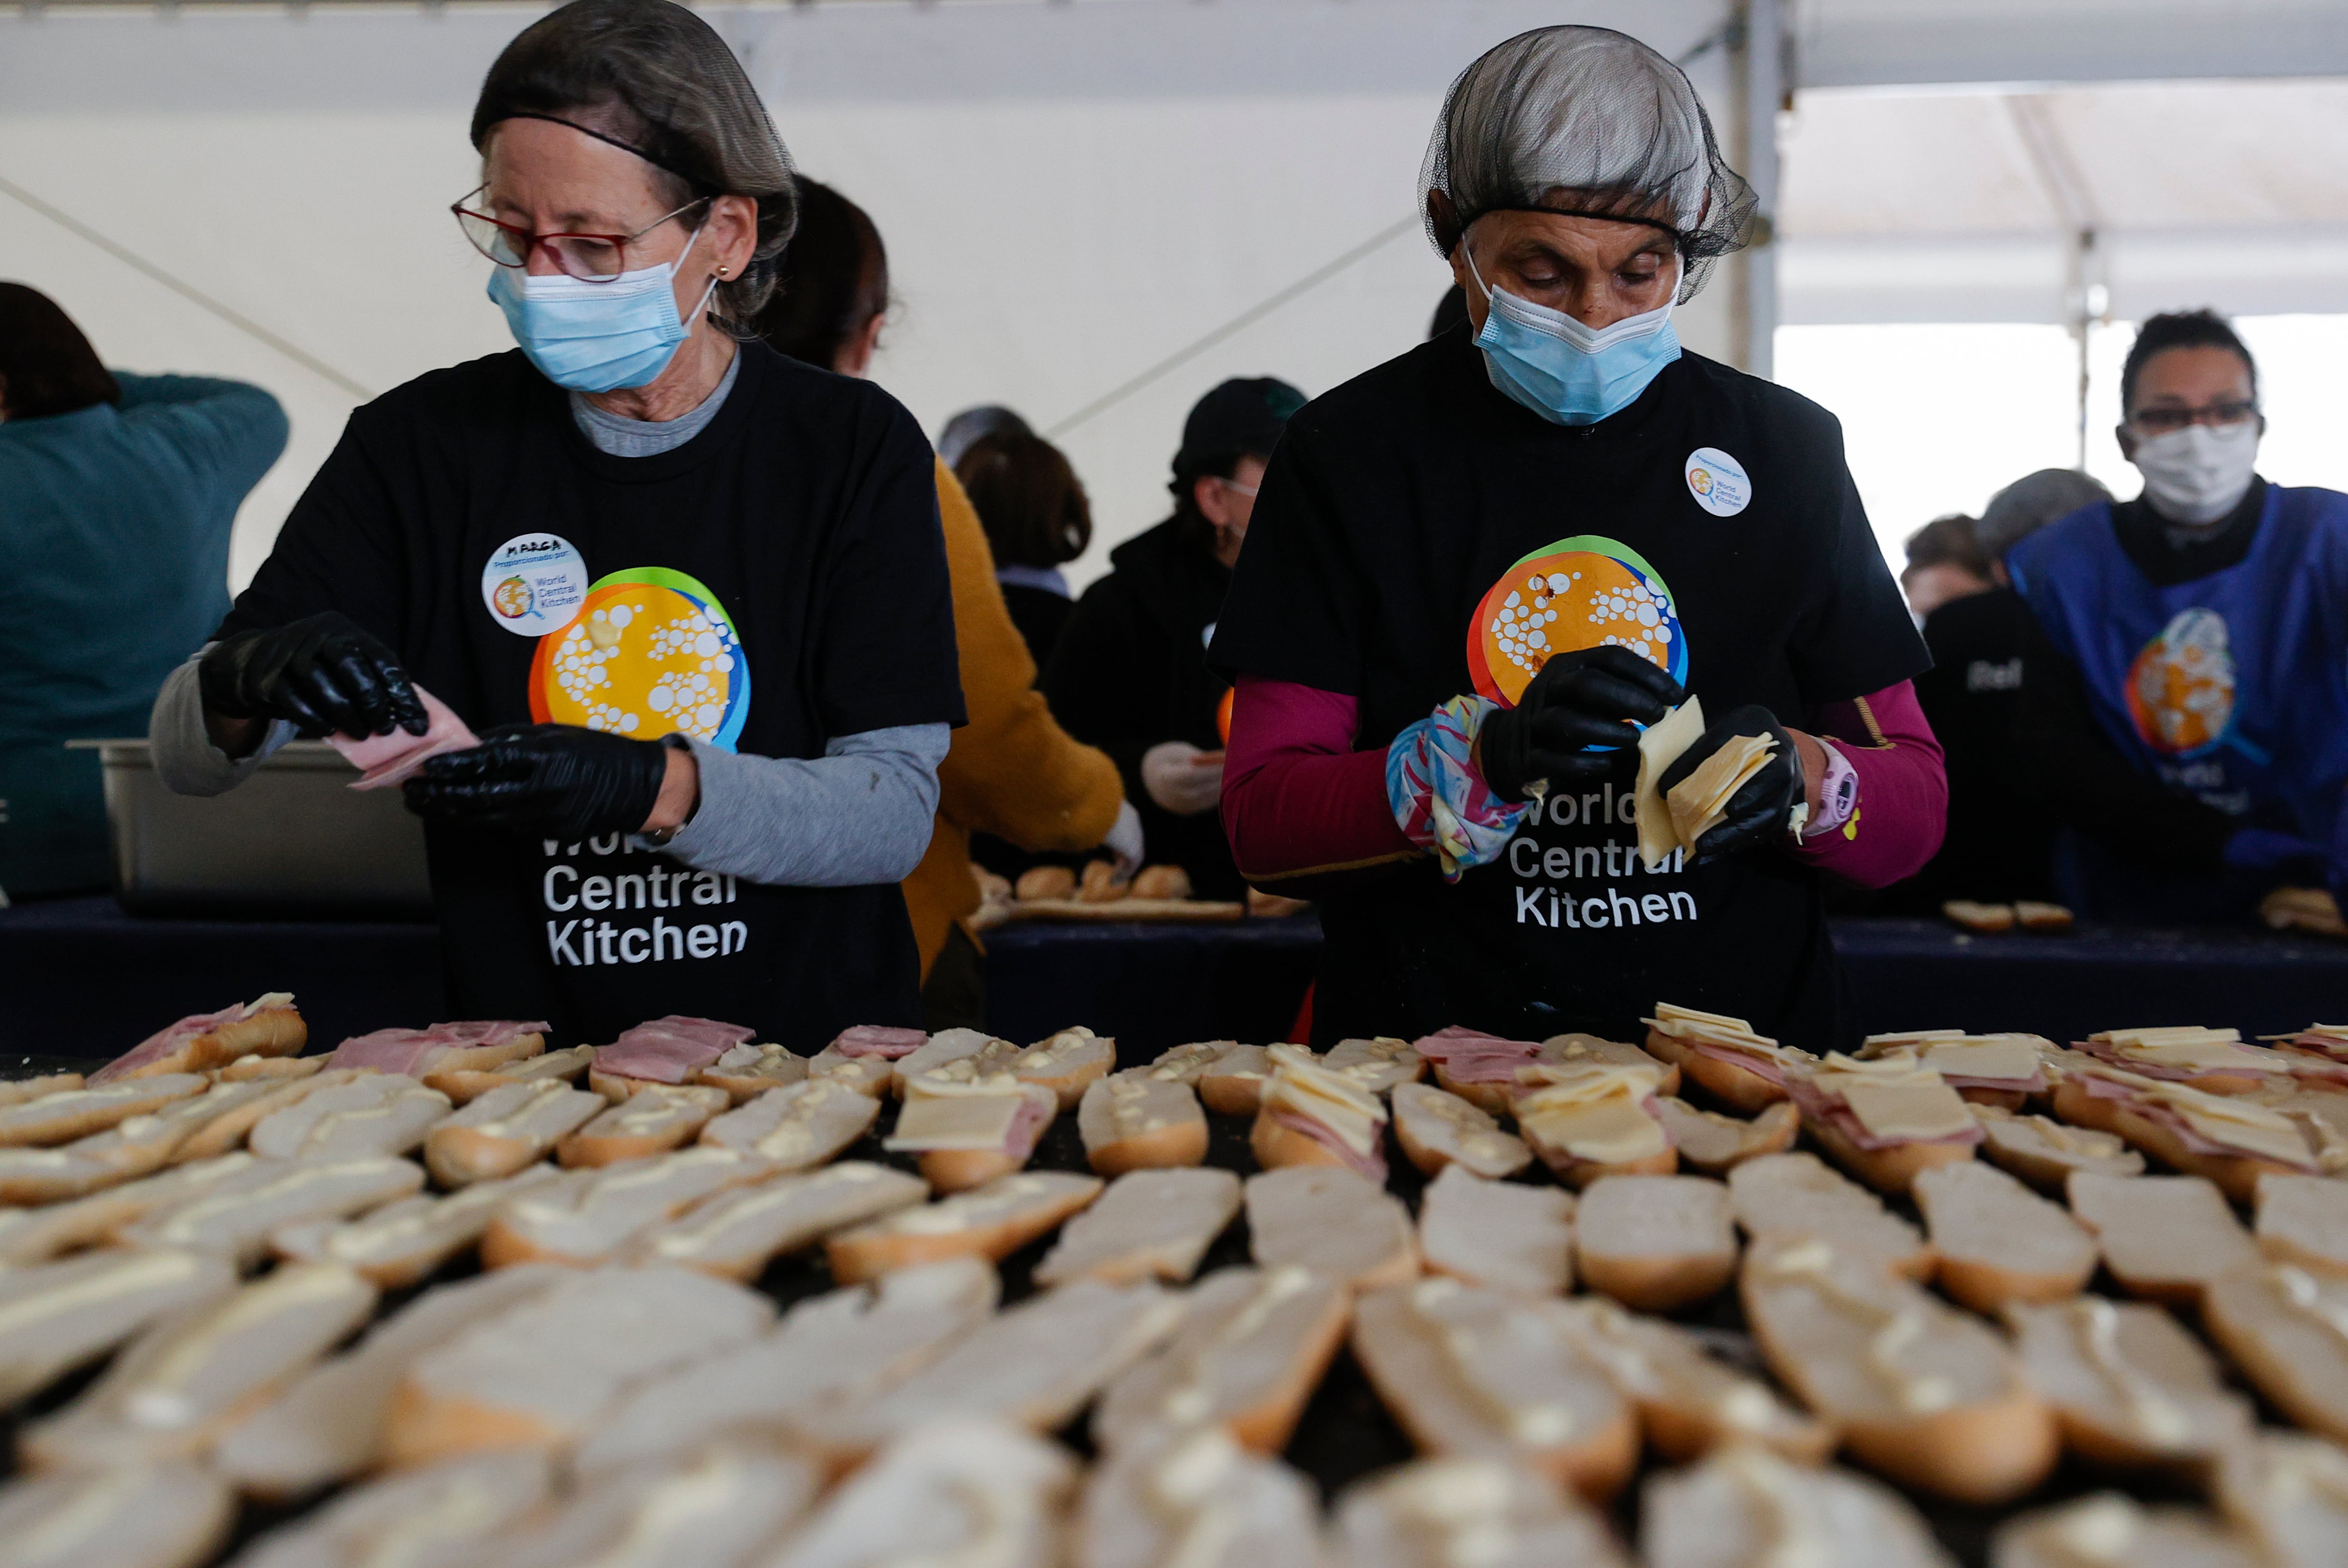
(1479, 566)
(691, 595)
(2192, 726)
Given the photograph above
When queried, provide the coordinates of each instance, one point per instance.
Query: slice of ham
(670, 1049)
(384, 760)
(1036, 1112)
(1754, 1062)
(2191, 1137)
(1454, 1040)
(879, 1040)
(414, 1051)
(164, 1041)
(2035, 1084)
(1491, 1061)
(1371, 1165)
(1816, 1102)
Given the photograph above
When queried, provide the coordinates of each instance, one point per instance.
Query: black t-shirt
(1414, 522)
(775, 582)
(1998, 845)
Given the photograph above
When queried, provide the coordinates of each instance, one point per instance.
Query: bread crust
(1777, 1124)
(1041, 882)
(1277, 1144)
(1984, 1453)
(2237, 1175)
(1227, 1094)
(1659, 1284)
(1182, 1143)
(272, 1032)
(423, 1429)
(1891, 1171)
(1746, 1093)
(1491, 1098)
(863, 1253)
(1579, 1174)
(587, 1148)
(2227, 1312)
(959, 1170)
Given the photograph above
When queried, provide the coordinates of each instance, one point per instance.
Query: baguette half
(2289, 1493)
(401, 1242)
(991, 1221)
(1996, 1241)
(1688, 1402)
(737, 1231)
(466, 1085)
(1501, 1236)
(1446, 1512)
(511, 1126)
(2130, 1387)
(1332, 1221)
(748, 1071)
(1150, 1223)
(57, 1317)
(2303, 1219)
(1655, 1243)
(1797, 1195)
(2044, 1152)
(1252, 1347)
(961, 1490)
(268, 1025)
(1746, 1505)
(797, 1127)
(1437, 1128)
(2112, 1529)
(2287, 1331)
(1200, 1500)
(1233, 1084)
(654, 1120)
(589, 1216)
(1713, 1144)
(1141, 1119)
(2165, 1238)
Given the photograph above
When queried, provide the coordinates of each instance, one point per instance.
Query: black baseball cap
(1241, 419)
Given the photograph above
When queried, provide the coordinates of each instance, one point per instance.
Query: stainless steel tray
(291, 840)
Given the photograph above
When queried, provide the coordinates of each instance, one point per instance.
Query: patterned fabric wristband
(1439, 800)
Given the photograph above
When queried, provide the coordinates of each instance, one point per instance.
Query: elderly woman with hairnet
(691, 594)
(1478, 572)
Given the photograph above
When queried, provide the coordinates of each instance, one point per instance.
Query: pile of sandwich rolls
(443, 1297)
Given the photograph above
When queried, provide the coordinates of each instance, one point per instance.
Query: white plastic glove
(1123, 842)
(1182, 779)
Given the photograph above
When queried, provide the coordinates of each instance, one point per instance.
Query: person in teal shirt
(116, 495)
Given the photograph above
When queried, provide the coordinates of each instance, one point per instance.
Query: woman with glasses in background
(2187, 711)
(691, 597)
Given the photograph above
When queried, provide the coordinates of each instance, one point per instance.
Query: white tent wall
(1070, 193)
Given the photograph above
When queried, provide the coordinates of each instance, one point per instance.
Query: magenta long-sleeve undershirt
(1299, 801)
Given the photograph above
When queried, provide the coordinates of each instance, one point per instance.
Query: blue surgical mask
(596, 337)
(1568, 373)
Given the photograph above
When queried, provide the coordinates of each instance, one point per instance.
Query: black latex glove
(323, 673)
(1577, 700)
(1756, 813)
(554, 779)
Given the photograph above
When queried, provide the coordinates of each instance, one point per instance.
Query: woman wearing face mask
(2187, 702)
(692, 595)
(1479, 566)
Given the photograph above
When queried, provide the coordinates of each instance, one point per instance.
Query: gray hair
(652, 77)
(2030, 503)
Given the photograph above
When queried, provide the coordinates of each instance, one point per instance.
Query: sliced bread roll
(1996, 1241)
(56, 1316)
(72, 1114)
(1588, 1121)
(1141, 1119)
(1797, 1195)
(1572, 1049)
(234, 1216)
(1713, 1144)
(466, 1085)
(1332, 1221)
(1310, 1116)
(2044, 1152)
(737, 1231)
(1722, 1057)
(375, 1113)
(2303, 1220)
(956, 1492)
(1655, 1243)
(16, 1091)
(245, 1070)
(2165, 1238)
(1233, 1084)
(748, 1071)
(2287, 1331)
(1923, 1394)
(724, 1505)
(1252, 1347)
(970, 1132)
(2112, 1529)
(237, 1107)
(1189, 1063)
(797, 1127)
(499, 1132)
(540, 1373)
(829, 1351)
(1446, 1512)
(1473, 1372)
(401, 1242)
(1378, 1064)
(1688, 1403)
(170, 1515)
(654, 1120)
(135, 1147)
(2288, 1495)
(2129, 1387)
(991, 1221)
(1745, 1505)
(1199, 1499)
(873, 1076)
(1501, 1236)
(1437, 1128)
(587, 1217)
(435, 1513)
(1067, 1064)
(1148, 1223)
(1885, 1119)
(30, 1236)
(192, 1376)
(983, 1052)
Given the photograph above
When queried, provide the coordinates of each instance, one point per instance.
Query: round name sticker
(1718, 483)
(534, 583)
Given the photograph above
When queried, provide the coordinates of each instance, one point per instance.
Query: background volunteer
(714, 576)
(1565, 491)
(117, 495)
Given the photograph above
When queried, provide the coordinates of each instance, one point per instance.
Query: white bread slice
(956, 1492)
(1190, 1062)
(173, 1515)
(511, 1126)
(329, 1424)
(192, 1376)
(1437, 1128)
(427, 1515)
(40, 1235)
(135, 1147)
(1150, 1223)
(1688, 1403)
(2289, 1493)
(1141, 1119)
(587, 1217)
(56, 1316)
(798, 1126)
(1199, 1499)
(2164, 1238)
(2044, 1152)
(399, 1243)
(541, 1373)
(235, 1215)
(869, 1076)
(982, 1051)
(1379, 1065)
(16, 1091)
(466, 1085)
(1333, 1221)
(2130, 1387)
(2286, 1330)
(1655, 1243)
(239, 1105)
(71, 1114)
(1713, 1144)
(1473, 1372)
(721, 1506)
(1996, 1241)
(1251, 1348)
(991, 1221)
(736, 1232)
(1033, 1366)
(654, 1120)
(1234, 1084)
(1797, 1195)
(1745, 1505)
(1446, 1512)
(1502, 1235)
(748, 1071)
(2112, 1529)
(1067, 1064)
(828, 1351)
(1923, 1394)
(375, 1113)
(2301, 1220)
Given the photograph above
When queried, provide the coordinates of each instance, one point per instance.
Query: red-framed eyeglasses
(591, 258)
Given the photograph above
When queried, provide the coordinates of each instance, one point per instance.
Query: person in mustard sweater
(1012, 770)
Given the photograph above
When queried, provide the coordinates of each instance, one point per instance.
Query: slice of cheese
(1874, 1044)
(1301, 1087)
(1894, 1097)
(2009, 1057)
(1595, 1112)
(1661, 745)
(2239, 1124)
(1701, 799)
(941, 1113)
(2175, 1034)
